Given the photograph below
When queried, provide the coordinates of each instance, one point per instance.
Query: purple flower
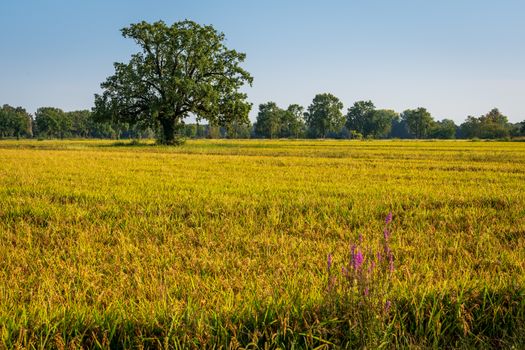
(391, 262)
(387, 251)
(379, 257)
(386, 234)
(329, 261)
(388, 218)
(358, 260)
(360, 238)
(366, 292)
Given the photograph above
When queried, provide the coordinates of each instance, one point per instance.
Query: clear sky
(454, 57)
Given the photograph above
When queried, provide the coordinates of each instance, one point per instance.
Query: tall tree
(359, 117)
(183, 69)
(268, 123)
(292, 124)
(419, 122)
(324, 116)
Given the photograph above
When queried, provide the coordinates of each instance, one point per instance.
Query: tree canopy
(324, 117)
(183, 69)
(488, 126)
(419, 122)
(52, 122)
(273, 121)
(358, 117)
(444, 129)
(362, 118)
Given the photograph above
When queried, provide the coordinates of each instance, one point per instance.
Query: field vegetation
(231, 243)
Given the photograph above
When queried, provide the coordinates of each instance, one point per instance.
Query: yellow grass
(111, 234)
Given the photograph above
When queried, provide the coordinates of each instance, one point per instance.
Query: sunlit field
(225, 243)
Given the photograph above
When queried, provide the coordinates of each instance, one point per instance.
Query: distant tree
(212, 131)
(201, 131)
(81, 123)
(268, 122)
(182, 69)
(52, 122)
(516, 129)
(444, 129)
(494, 125)
(273, 121)
(419, 122)
(324, 117)
(292, 122)
(489, 126)
(381, 122)
(190, 130)
(363, 120)
(15, 122)
(399, 129)
(104, 130)
(238, 130)
(359, 117)
(470, 128)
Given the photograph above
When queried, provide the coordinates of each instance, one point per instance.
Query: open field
(226, 243)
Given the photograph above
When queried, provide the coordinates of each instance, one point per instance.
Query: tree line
(52, 122)
(324, 118)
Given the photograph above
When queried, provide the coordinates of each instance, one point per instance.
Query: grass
(224, 243)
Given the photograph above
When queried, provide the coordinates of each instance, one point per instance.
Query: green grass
(224, 243)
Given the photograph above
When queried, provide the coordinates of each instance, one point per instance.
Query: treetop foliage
(323, 116)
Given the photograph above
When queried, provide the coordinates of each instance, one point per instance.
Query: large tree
(419, 122)
(183, 69)
(324, 116)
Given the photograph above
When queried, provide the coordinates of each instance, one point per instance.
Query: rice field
(224, 244)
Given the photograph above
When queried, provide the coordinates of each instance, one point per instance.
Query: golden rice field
(224, 243)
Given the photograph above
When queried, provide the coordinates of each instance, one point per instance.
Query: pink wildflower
(388, 218)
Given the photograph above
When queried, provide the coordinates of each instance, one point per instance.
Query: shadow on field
(130, 143)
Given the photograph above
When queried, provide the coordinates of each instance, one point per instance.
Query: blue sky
(454, 57)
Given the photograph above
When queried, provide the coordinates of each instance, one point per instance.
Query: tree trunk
(169, 128)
